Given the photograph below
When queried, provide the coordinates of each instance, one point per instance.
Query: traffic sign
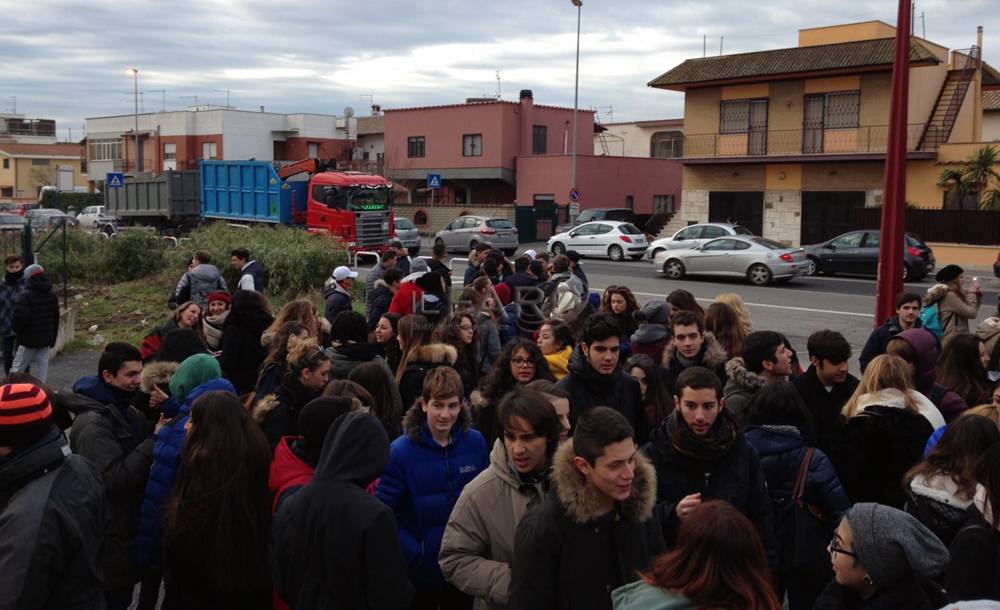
(115, 180)
(433, 181)
(574, 195)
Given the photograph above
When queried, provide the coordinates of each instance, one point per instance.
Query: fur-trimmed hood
(740, 376)
(380, 283)
(415, 418)
(265, 338)
(989, 328)
(436, 353)
(581, 500)
(263, 407)
(713, 356)
(157, 373)
(935, 293)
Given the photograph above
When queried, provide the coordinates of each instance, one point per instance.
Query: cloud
(307, 56)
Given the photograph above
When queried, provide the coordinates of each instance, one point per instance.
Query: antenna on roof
(923, 25)
(704, 45)
(499, 94)
(721, 38)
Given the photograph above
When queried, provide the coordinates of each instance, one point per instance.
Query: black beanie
(314, 422)
(948, 273)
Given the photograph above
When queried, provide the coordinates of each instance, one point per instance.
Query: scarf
(212, 328)
(709, 448)
(13, 278)
(982, 502)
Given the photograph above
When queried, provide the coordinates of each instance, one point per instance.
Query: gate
(742, 207)
(826, 214)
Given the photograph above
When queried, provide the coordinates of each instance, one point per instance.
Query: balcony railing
(797, 142)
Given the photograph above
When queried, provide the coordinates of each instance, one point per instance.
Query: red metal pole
(890, 255)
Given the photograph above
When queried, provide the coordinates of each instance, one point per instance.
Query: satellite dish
(348, 112)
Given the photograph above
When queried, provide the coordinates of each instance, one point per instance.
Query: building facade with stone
(789, 142)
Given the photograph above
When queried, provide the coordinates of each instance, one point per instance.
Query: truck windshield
(365, 198)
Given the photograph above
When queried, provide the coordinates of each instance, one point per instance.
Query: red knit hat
(25, 414)
(218, 295)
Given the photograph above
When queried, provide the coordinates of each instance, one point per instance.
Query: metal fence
(788, 142)
(975, 227)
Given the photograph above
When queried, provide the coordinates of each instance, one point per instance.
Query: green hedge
(78, 201)
(130, 256)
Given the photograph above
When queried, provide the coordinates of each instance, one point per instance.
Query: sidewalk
(65, 369)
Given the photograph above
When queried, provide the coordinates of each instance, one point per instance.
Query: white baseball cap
(531, 253)
(343, 272)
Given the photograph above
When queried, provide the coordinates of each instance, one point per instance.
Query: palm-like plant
(954, 181)
(977, 177)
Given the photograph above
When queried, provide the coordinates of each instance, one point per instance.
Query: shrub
(132, 255)
(84, 255)
(63, 201)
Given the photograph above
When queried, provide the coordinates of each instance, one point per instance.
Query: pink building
(494, 152)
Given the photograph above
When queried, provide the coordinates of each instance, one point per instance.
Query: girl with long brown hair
(305, 313)
(722, 321)
(718, 563)
(620, 303)
(414, 332)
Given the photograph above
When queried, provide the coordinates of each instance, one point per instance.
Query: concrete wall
(630, 139)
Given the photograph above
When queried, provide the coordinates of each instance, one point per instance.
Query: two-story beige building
(790, 141)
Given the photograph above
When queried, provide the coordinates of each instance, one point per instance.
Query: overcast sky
(67, 60)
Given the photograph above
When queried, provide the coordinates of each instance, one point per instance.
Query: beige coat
(955, 309)
(478, 542)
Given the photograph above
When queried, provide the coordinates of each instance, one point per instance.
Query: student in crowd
(719, 562)
(735, 302)
(596, 377)
(888, 424)
(338, 292)
(53, 510)
(215, 317)
(619, 302)
(419, 362)
(484, 314)
(435, 303)
(691, 346)
(35, 321)
(595, 530)
(941, 487)
(307, 370)
(387, 262)
(699, 454)
(409, 296)
(305, 313)
(335, 545)
(907, 317)
(476, 259)
(918, 348)
(201, 278)
(437, 455)
(763, 359)
(682, 300)
(362, 398)
(218, 515)
(651, 337)
(273, 368)
(826, 386)
(11, 287)
(350, 346)
(387, 340)
(187, 315)
(989, 332)
(577, 270)
(974, 572)
(725, 325)
(296, 457)
(387, 405)
(520, 363)
(459, 331)
(118, 441)
(883, 559)
(780, 427)
(564, 292)
(521, 278)
(252, 274)
(478, 542)
(242, 350)
(403, 260)
(657, 403)
(962, 368)
(559, 399)
(381, 295)
(956, 305)
(556, 342)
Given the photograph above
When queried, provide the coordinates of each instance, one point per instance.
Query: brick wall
(440, 215)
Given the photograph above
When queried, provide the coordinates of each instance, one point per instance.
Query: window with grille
(415, 146)
(735, 117)
(472, 145)
(539, 139)
(839, 110)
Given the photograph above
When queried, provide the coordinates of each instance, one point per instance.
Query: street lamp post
(576, 91)
(135, 87)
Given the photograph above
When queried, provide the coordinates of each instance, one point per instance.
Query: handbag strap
(800, 481)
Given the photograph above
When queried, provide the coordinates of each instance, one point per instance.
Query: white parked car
(695, 235)
(609, 238)
(90, 215)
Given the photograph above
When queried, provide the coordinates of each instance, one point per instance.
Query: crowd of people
(534, 443)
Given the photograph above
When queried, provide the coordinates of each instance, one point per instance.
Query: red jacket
(406, 299)
(287, 470)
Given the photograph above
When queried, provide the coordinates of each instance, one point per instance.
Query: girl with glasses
(520, 362)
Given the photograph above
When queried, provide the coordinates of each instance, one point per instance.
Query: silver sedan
(758, 259)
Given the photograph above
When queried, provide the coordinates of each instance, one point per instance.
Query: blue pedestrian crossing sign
(115, 180)
(433, 181)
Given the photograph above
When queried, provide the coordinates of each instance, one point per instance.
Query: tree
(977, 178)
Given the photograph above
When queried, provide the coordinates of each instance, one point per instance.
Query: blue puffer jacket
(163, 472)
(781, 450)
(421, 485)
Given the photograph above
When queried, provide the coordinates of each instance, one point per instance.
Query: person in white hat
(530, 254)
(338, 291)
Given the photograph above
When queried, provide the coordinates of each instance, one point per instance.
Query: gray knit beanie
(418, 265)
(655, 312)
(891, 544)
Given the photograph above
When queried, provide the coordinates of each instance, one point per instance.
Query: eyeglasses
(836, 548)
(522, 362)
(468, 328)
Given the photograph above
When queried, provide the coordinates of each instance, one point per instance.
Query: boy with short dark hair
(11, 288)
(691, 346)
(764, 358)
(201, 278)
(826, 385)
(35, 320)
(252, 276)
(595, 531)
(907, 317)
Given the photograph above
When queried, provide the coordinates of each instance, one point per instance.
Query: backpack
(804, 531)
(930, 318)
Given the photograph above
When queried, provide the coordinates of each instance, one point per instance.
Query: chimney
(527, 120)
(376, 109)
(262, 109)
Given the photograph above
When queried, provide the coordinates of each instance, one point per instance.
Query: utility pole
(135, 92)
(893, 225)
(704, 45)
(576, 90)
(721, 38)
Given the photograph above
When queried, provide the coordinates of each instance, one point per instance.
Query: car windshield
(770, 244)
(629, 229)
(499, 223)
(742, 230)
(404, 224)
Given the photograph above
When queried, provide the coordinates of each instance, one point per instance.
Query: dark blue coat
(163, 472)
(8, 296)
(421, 485)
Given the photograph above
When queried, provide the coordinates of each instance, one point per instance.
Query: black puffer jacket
(736, 477)
(242, 352)
(426, 358)
(933, 505)
(36, 313)
(974, 572)
(53, 514)
(588, 389)
(278, 413)
(825, 406)
(912, 594)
